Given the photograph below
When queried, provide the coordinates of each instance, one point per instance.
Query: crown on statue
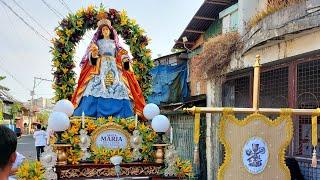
(104, 22)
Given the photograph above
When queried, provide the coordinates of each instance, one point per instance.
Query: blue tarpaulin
(169, 84)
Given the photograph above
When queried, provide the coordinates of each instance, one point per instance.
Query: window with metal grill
(274, 88)
(236, 93)
(308, 96)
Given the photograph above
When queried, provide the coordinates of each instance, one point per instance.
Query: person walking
(40, 137)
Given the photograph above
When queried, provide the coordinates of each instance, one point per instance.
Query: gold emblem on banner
(255, 147)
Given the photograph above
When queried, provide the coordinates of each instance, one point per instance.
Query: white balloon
(150, 111)
(65, 106)
(160, 123)
(58, 121)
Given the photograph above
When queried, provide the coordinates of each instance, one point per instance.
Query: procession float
(102, 125)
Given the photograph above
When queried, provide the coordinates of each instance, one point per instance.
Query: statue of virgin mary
(107, 85)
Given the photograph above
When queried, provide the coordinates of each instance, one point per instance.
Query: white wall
(304, 44)
(247, 9)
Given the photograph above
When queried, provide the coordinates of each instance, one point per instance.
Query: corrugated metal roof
(206, 14)
(6, 97)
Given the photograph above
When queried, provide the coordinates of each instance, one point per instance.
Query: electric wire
(64, 4)
(32, 18)
(12, 76)
(25, 22)
(53, 10)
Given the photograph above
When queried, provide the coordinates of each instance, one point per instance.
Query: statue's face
(105, 31)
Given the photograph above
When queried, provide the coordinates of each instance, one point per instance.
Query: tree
(14, 110)
(43, 117)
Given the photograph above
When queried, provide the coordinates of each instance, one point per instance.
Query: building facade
(286, 38)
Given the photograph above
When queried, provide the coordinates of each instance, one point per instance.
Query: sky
(25, 54)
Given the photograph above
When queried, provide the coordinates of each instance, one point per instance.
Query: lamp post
(160, 124)
(59, 122)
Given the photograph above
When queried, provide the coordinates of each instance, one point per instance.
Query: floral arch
(70, 32)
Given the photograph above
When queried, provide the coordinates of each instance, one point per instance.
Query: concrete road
(26, 147)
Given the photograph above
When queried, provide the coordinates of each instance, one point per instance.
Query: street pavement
(26, 147)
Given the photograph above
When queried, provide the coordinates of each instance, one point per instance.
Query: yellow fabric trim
(196, 126)
(228, 115)
(314, 126)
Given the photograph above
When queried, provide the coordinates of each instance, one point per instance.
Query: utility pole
(32, 93)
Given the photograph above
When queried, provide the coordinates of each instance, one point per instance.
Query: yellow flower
(53, 40)
(127, 153)
(76, 140)
(74, 159)
(75, 123)
(56, 63)
(65, 136)
(90, 8)
(80, 12)
(141, 31)
(110, 119)
(148, 53)
(58, 32)
(69, 32)
(144, 148)
(133, 21)
(123, 18)
(187, 169)
(79, 23)
(52, 140)
(101, 120)
(65, 70)
(123, 122)
(143, 128)
(64, 87)
(64, 56)
(30, 170)
(150, 137)
(132, 126)
(38, 168)
(61, 40)
(71, 81)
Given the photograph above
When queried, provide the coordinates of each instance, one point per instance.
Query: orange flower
(141, 66)
(74, 130)
(96, 160)
(91, 126)
(76, 140)
(101, 15)
(131, 126)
